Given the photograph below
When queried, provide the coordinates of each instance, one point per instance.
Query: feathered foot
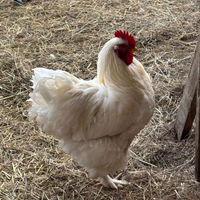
(108, 182)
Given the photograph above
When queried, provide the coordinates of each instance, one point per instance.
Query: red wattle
(127, 57)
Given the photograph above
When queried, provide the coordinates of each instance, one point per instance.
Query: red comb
(125, 35)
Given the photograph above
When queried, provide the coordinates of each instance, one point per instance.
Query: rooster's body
(96, 120)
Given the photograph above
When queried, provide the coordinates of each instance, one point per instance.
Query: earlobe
(116, 47)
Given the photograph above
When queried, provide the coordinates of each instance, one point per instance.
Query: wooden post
(187, 110)
(189, 107)
(197, 136)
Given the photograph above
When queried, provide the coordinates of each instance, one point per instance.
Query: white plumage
(96, 120)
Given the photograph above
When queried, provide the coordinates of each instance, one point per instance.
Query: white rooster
(96, 120)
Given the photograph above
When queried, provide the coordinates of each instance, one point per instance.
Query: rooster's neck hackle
(111, 69)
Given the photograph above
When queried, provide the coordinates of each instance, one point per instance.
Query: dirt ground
(67, 35)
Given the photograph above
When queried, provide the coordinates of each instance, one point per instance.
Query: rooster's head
(124, 49)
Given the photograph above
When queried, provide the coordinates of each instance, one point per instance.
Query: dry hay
(31, 164)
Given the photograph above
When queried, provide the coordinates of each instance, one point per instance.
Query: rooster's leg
(108, 182)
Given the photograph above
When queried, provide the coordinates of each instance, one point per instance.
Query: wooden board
(187, 110)
(197, 136)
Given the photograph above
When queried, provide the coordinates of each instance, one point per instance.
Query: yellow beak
(134, 49)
